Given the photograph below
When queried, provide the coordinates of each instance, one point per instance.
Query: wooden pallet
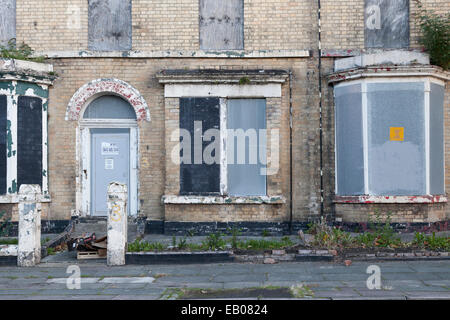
(89, 255)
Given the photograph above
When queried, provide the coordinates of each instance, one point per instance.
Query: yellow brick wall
(279, 24)
(342, 24)
(52, 25)
(166, 24)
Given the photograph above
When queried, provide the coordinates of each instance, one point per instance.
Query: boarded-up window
(246, 147)
(386, 23)
(7, 20)
(29, 141)
(3, 137)
(437, 173)
(349, 140)
(396, 159)
(221, 24)
(109, 25)
(197, 116)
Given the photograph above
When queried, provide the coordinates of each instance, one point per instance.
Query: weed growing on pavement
(329, 237)
(381, 234)
(432, 242)
(215, 241)
(182, 243)
(235, 232)
(263, 244)
(174, 241)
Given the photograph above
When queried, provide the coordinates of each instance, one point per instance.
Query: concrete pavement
(399, 280)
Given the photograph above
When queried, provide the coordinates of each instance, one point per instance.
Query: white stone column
(29, 248)
(117, 223)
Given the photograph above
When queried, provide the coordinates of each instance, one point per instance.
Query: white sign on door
(109, 149)
(109, 164)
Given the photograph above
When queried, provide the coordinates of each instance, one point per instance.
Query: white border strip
(269, 90)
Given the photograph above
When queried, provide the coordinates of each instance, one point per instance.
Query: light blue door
(110, 162)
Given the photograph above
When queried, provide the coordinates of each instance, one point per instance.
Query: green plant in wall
(21, 52)
(435, 35)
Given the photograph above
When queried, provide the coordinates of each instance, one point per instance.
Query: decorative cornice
(222, 76)
(27, 71)
(389, 71)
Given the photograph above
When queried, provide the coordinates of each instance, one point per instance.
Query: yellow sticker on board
(397, 133)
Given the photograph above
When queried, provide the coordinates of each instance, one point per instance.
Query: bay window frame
(367, 197)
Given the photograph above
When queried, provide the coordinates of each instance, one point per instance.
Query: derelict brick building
(353, 117)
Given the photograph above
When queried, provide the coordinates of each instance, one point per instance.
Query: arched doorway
(107, 142)
(110, 152)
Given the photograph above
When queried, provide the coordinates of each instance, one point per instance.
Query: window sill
(364, 199)
(14, 198)
(172, 199)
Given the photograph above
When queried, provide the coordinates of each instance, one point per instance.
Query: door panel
(110, 162)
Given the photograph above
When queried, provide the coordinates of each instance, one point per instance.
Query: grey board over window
(29, 141)
(197, 177)
(389, 138)
(386, 23)
(396, 167)
(109, 23)
(7, 21)
(3, 139)
(246, 147)
(221, 24)
(349, 140)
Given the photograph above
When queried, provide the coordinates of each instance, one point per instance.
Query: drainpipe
(320, 109)
(291, 202)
